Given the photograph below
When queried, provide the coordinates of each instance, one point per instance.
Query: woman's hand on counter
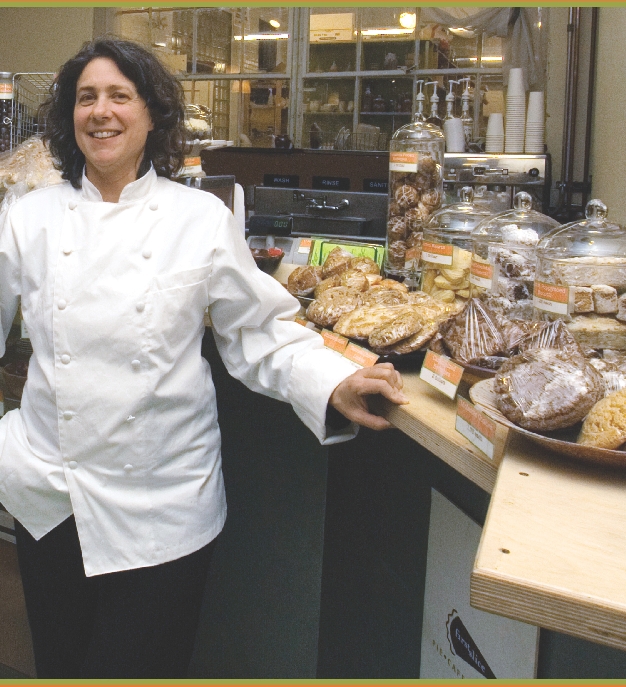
(350, 397)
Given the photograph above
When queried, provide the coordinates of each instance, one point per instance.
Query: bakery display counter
(553, 548)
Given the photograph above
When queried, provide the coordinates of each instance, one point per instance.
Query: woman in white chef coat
(111, 467)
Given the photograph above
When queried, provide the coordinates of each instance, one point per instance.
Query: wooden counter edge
(585, 617)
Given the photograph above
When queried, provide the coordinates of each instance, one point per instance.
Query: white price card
(476, 427)
(551, 298)
(442, 373)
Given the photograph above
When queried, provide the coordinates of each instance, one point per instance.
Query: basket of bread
(350, 297)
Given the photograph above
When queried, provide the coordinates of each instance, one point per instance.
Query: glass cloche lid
(458, 218)
(594, 237)
(519, 226)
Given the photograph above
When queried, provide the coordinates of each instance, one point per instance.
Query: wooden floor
(15, 646)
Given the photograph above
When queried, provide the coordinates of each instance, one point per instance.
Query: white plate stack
(535, 124)
(515, 112)
(494, 140)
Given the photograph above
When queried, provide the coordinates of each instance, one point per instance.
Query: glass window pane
(332, 39)
(260, 39)
(388, 35)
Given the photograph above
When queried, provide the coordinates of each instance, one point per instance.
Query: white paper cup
(495, 124)
(455, 136)
(536, 112)
(516, 82)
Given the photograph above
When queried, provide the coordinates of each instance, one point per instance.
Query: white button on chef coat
(128, 468)
(141, 306)
(147, 253)
(175, 502)
(65, 359)
(67, 250)
(72, 205)
(136, 364)
(154, 205)
(62, 304)
(67, 415)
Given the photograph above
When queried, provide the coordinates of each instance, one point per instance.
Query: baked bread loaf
(365, 265)
(411, 343)
(404, 325)
(332, 304)
(605, 425)
(354, 280)
(303, 280)
(337, 261)
(545, 389)
(379, 295)
(362, 321)
(335, 280)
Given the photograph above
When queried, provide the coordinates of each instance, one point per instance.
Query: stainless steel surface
(30, 90)
(497, 178)
(337, 213)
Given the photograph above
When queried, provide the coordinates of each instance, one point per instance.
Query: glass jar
(447, 248)
(581, 278)
(6, 110)
(199, 122)
(503, 258)
(416, 154)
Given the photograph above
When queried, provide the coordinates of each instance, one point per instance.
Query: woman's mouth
(104, 134)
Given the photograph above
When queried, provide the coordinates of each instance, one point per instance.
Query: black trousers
(132, 624)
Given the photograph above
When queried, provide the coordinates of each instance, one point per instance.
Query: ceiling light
(262, 37)
(386, 32)
(408, 20)
(275, 23)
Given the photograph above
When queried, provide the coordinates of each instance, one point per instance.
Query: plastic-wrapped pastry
(303, 280)
(404, 325)
(332, 304)
(363, 320)
(546, 389)
(337, 261)
(354, 280)
(473, 334)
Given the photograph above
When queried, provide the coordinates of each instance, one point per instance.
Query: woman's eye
(120, 97)
(86, 98)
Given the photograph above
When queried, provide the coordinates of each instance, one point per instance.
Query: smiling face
(111, 124)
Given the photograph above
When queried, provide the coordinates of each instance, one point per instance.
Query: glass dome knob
(596, 209)
(467, 194)
(523, 201)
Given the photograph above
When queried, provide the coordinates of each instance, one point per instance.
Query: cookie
(605, 425)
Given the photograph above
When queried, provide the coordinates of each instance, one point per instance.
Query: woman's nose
(101, 107)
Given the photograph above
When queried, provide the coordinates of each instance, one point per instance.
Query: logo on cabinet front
(463, 646)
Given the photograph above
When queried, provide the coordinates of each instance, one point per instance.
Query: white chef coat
(118, 420)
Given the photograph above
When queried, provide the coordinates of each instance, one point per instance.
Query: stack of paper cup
(515, 112)
(455, 136)
(494, 141)
(535, 124)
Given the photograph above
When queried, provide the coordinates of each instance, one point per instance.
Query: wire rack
(29, 92)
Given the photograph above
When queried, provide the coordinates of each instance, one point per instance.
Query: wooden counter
(553, 549)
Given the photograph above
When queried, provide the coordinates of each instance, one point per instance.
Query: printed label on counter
(305, 246)
(24, 331)
(475, 426)
(481, 274)
(359, 355)
(335, 342)
(442, 373)
(403, 162)
(551, 298)
(440, 253)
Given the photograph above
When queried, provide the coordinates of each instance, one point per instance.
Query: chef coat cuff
(314, 377)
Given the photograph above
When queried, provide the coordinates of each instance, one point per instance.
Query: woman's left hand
(349, 398)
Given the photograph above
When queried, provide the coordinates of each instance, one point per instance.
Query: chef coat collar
(136, 190)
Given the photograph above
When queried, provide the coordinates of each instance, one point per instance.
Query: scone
(605, 426)
(303, 280)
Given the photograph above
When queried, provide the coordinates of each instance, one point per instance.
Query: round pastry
(545, 389)
(415, 239)
(335, 280)
(332, 304)
(407, 196)
(336, 262)
(427, 165)
(396, 229)
(303, 280)
(394, 209)
(404, 325)
(396, 253)
(414, 219)
(365, 265)
(354, 280)
(605, 426)
(379, 295)
(430, 198)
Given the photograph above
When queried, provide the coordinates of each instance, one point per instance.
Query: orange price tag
(440, 253)
(551, 298)
(360, 356)
(481, 274)
(403, 162)
(305, 245)
(442, 373)
(192, 161)
(334, 341)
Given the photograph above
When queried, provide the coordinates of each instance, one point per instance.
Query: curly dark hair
(162, 93)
